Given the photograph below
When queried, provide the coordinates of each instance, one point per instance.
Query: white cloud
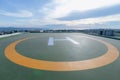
(41, 23)
(58, 9)
(64, 7)
(98, 20)
(22, 13)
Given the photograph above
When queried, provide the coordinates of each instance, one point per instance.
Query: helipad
(59, 56)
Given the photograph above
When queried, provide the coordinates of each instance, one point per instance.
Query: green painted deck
(37, 48)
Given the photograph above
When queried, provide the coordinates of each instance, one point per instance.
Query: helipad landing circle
(110, 56)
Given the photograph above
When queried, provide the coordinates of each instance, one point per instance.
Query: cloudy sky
(36, 13)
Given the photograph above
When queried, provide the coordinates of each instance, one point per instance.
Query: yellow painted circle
(111, 55)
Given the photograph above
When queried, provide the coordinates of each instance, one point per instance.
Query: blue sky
(71, 13)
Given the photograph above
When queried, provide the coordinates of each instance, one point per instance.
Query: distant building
(41, 31)
(106, 32)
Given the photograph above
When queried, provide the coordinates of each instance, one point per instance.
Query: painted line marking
(107, 58)
(60, 39)
(51, 41)
(73, 41)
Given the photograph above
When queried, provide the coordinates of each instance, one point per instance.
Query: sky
(70, 13)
